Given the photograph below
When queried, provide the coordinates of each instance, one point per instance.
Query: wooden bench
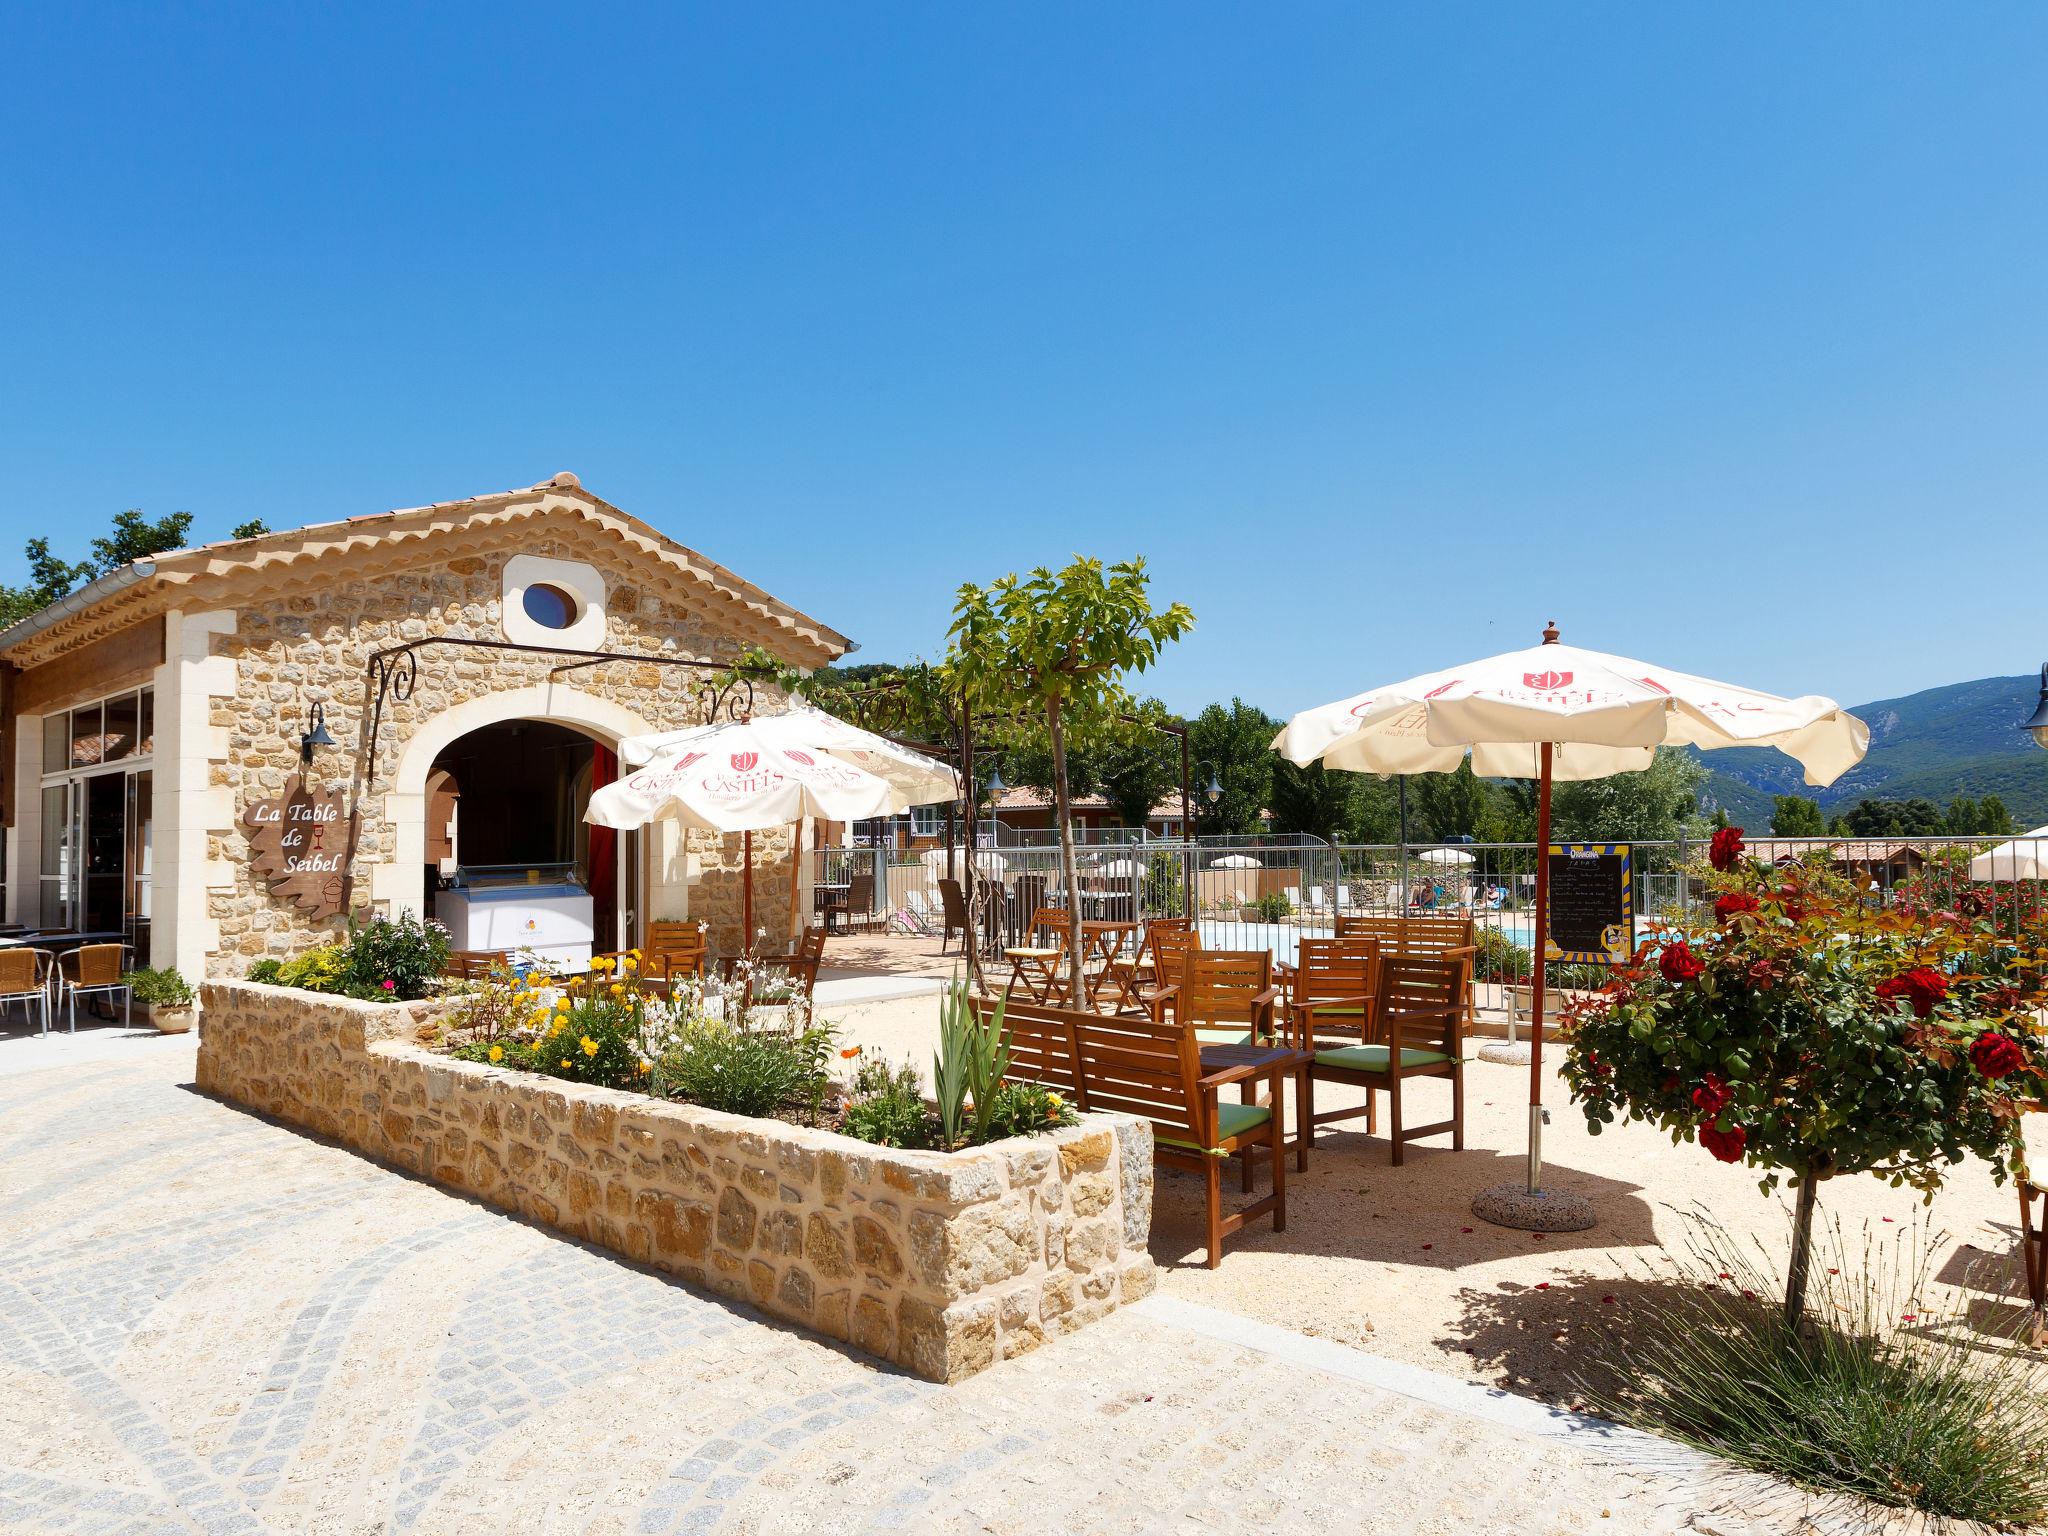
(1152, 1070)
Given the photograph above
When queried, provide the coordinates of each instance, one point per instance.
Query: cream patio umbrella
(748, 775)
(2024, 858)
(1556, 712)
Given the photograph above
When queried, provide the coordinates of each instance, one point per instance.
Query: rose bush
(1810, 1035)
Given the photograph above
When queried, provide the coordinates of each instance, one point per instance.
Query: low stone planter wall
(940, 1263)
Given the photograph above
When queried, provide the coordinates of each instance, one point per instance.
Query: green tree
(1445, 805)
(1137, 764)
(1056, 648)
(1797, 816)
(1895, 818)
(255, 528)
(132, 537)
(1235, 743)
(1314, 800)
(1994, 818)
(1967, 817)
(1656, 805)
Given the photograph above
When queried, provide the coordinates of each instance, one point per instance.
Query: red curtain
(604, 851)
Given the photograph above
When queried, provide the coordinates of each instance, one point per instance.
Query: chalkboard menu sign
(1592, 905)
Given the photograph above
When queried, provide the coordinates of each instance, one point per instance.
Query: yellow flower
(565, 1061)
(628, 964)
(589, 1046)
(497, 1053)
(1054, 1100)
(617, 990)
(646, 1066)
(556, 1030)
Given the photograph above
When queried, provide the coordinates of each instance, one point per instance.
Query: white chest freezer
(505, 909)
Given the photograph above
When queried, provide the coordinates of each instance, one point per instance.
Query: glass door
(104, 899)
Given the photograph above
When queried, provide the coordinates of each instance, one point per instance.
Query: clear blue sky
(1719, 333)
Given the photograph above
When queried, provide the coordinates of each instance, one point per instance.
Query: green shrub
(1027, 1109)
(394, 959)
(886, 1106)
(1273, 907)
(162, 989)
(1877, 1397)
(969, 1066)
(266, 971)
(317, 970)
(1499, 957)
(746, 1071)
(592, 1031)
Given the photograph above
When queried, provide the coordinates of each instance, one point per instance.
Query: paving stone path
(211, 1323)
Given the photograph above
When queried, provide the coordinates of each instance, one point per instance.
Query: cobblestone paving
(209, 1323)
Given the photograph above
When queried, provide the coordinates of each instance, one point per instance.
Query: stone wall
(312, 644)
(941, 1264)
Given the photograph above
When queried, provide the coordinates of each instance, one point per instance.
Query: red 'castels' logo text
(743, 762)
(1546, 682)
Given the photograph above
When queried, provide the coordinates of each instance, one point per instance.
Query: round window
(548, 606)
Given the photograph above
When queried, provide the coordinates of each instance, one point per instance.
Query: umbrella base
(1508, 1053)
(1526, 1210)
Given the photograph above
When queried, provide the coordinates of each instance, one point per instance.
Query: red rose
(1678, 963)
(1996, 1055)
(1789, 900)
(1725, 1145)
(1923, 987)
(1735, 904)
(1725, 849)
(1711, 1097)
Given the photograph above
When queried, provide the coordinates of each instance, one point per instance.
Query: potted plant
(166, 999)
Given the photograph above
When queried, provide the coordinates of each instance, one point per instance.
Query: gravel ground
(1392, 1259)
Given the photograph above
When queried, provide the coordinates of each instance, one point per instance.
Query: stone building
(154, 719)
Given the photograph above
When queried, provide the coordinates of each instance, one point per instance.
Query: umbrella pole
(1537, 979)
(747, 895)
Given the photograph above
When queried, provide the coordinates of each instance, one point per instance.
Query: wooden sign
(299, 843)
(1592, 904)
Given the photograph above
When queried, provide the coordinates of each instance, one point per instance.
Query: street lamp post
(2038, 726)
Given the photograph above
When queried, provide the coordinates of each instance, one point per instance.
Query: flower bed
(940, 1262)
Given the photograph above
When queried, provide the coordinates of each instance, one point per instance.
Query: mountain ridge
(1958, 739)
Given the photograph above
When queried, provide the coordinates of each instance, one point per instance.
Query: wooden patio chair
(1329, 991)
(25, 979)
(1223, 996)
(675, 948)
(97, 970)
(1131, 974)
(475, 964)
(1041, 1044)
(953, 913)
(799, 966)
(1039, 964)
(859, 911)
(1444, 937)
(1417, 1030)
(1167, 949)
(1152, 1069)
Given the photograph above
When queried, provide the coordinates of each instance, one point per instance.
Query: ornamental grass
(1881, 1394)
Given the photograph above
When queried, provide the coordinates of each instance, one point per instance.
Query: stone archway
(398, 883)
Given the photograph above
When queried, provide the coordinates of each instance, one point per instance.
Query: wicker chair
(25, 979)
(98, 970)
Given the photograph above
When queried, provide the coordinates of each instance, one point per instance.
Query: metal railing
(1272, 894)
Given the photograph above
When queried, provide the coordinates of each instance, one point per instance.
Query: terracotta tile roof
(239, 567)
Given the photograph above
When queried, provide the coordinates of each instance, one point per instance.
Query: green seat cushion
(1231, 1120)
(1224, 1035)
(1373, 1058)
(1348, 1010)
